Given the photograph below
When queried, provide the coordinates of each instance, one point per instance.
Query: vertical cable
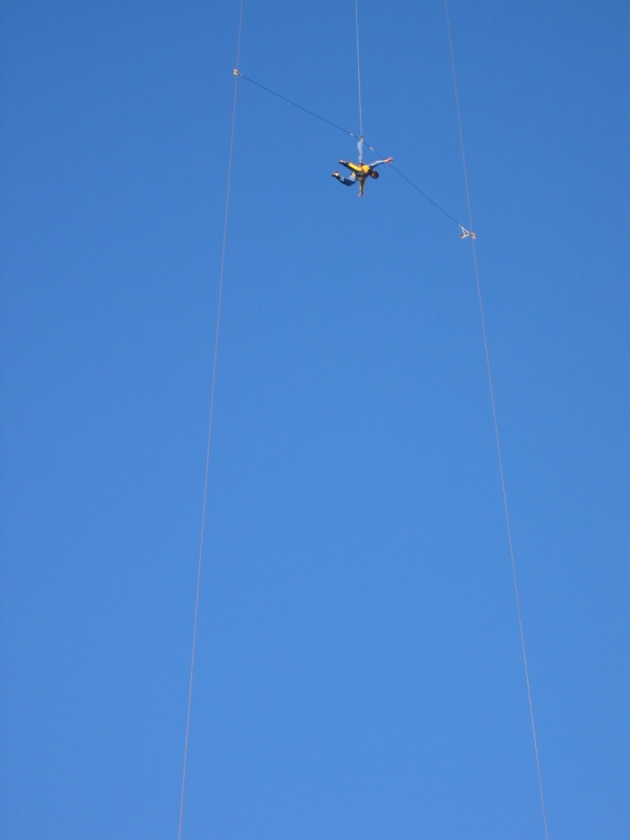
(356, 19)
(496, 433)
(210, 423)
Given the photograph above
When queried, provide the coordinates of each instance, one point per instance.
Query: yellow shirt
(362, 169)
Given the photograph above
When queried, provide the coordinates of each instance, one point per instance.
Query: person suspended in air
(360, 171)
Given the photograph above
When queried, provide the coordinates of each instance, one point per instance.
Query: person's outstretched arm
(378, 162)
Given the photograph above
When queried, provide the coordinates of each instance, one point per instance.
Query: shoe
(335, 174)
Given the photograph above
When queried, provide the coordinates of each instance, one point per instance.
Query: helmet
(373, 173)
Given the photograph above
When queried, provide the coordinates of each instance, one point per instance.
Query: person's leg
(347, 181)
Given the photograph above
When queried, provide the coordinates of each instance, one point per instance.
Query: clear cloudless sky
(359, 672)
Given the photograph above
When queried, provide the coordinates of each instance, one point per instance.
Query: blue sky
(359, 674)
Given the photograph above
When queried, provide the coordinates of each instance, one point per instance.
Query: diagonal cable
(295, 104)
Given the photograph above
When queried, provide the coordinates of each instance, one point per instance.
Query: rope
(356, 18)
(210, 424)
(428, 197)
(295, 104)
(496, 434)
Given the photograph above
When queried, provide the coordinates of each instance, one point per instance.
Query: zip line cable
(295, 104)
(209, 439)
(428, 197)
(496, 433)
(350, 134)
